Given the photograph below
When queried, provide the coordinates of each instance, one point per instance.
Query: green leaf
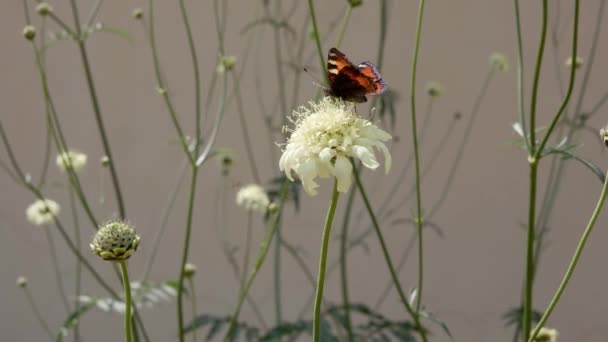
(594, 168)
(217, 323)
(287, 329)
(73, 320)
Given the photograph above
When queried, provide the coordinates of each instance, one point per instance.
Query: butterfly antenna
(315, 80)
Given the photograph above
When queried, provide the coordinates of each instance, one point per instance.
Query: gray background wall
(473, 274)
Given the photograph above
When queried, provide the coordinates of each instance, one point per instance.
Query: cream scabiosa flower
(253, 197)
(326, 134)
(71, 159)
(42, 212)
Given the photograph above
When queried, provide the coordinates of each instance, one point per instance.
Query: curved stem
(127, 286)
(419, 218)
(270, 231)
(58, 276)
(316, 320)
(573, 262)
(520, 75)
(343, 264)
(245, 266)
(38, 314)
(415, 316)
(535, 83)
(97, 110)
(311, 8)
(345, 20)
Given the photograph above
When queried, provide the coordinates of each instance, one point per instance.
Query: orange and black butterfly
(350, 82)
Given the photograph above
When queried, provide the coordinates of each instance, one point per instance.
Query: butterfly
(350, 82)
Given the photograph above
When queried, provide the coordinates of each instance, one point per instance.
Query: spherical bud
(29, 32)
(161, 90)
(225, 159)
(22, 281)
(137, 14)
(43, 9)
(105, 161)
(71, 160)
(226, 64)
(355, 3)
(578, 62)
(500, 62)
(273, 207)
(42, 212)
(115, 240)
(434, 89)
(189, 269)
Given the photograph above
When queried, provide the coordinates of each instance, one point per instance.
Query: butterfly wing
(370, 71)
(346, 80)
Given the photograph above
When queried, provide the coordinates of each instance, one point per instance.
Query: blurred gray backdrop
(473, 273)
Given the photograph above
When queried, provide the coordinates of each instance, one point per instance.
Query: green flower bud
(434, 89)
(578, 62)
(105, 161)
(43, 9)
(29, 32)
(355, 3)
(189, 269)
(500, 62)
(226, 64)
(115, 240)
(604, 136)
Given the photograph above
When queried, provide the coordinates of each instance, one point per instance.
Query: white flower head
(253, 197)
(71, 159)
(42, 212)
(547, 335)
(326, 134)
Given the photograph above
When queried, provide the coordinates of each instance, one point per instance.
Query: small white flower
(253, 197)
(42, 212)
(71, 159)
(547, 335)
(326, 134)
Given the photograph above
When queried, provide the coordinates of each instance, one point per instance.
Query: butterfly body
(350, 82)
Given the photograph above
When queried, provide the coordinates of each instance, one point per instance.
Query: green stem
(566, 100)
(344, 266)
(345, 20)
(415, 315)
(322, 263)
(58, 276)
(186, 248)
(311, 9)
(244, 130)
(127, 286)
(520, 75)
(264, 246)
(97, 110)
(277, 276)
(245, 267)
(528, 302)
(197, 77)
(573, 262)
(537, 68)
(193, 301)
(419, 218)
(37, 313)
(78, 276)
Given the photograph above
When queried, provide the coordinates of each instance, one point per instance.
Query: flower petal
(366, 156)
(343, 170)
(307, 172)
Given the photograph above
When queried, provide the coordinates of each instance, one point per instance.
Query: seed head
(43, 9)
(138, 13)
(115, 240)
(29, 32)
(22, 281)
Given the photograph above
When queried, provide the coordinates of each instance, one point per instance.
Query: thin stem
(316, 320)
(419, 218)
(127, 286)
(520, 75)
(197, 76)
(311, 9)
(415, 315)
(343, 264)
(264, 246)
(58, 276)
(185, 249)
(566, 100)
(193, 301)
(345, 20)
(244, 129)
(37, 313)
(573, 262)
(536, 81)
(97, 110)
(78, 276)
(528, 302)
(245, 266)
